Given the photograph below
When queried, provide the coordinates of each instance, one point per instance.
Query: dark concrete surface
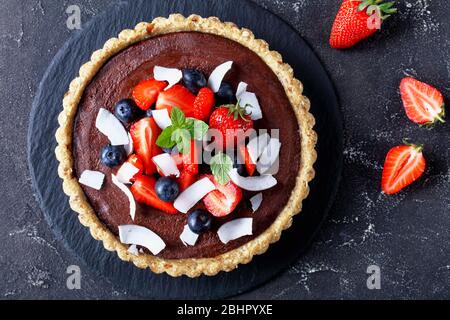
(405, 235)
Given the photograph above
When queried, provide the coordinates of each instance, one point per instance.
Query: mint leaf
(221, 166)
(182, 131)
(182, 139)
(188, 124)
(165, 138)
(199, 130)
(177, 117)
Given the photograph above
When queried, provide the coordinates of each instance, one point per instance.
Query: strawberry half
(423, 103)
(186, 179)
(137, 163)
(191, 160)
(146, 93)
(144, 134)
(404, 165)
(203, 104)
(144, 192)
(357, 20)
(244, 155)
(224, 200)
(177, 96)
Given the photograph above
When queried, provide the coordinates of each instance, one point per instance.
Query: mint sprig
(181, 132)
(221, 166)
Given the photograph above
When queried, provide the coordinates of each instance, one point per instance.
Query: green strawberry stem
(417, 147)
(440, 116)
(237, 111)
(385, 9)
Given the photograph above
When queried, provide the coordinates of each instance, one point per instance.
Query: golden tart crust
(293, 88)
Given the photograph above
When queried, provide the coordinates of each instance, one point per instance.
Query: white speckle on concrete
(304, 271)
(369, 232)
(298, 5)
(410, 72)
(31, 232)
(9, 294)
(38, 278)
(353, 155)
(422, 19)
(17, 38)
(39, 7)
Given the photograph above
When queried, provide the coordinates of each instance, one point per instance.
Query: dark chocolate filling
(116, 80)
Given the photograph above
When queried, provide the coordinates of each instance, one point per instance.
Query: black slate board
(143, 283)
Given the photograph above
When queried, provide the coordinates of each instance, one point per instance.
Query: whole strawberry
(231, 121)
(357, 20)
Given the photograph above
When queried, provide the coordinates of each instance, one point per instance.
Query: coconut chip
(235, 229)
(172, 76)
(192, 195)
(216, 78)
(137, 235)
(258, 183)
(251, 103)
(256, 201)
(188, 237)
(242, 87)
(162, 118)
(257, 145)
(92, 179)
(269, 157)
(111, 127)
(167, 165)
(129, 148)
(126, 172)
(129, 195)
(133, 250)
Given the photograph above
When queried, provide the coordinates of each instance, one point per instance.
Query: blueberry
(226, 94)
(125, 110)
(194, 80)
(167, 189)
(149, 113)
(167, 150)
(237, 164)
(200, 221)
(112, 156)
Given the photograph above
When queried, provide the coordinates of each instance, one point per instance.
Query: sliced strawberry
(404, 165)
(146, 93)
(186, 179)
(203, 104)
(245, 156)
(423, 103)
(144, 134)
(144, 192)
(137, 163)
(178, 158)
(177, 96)
(224, 200)
(191, 160)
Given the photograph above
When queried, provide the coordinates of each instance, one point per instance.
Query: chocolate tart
(179, 42)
